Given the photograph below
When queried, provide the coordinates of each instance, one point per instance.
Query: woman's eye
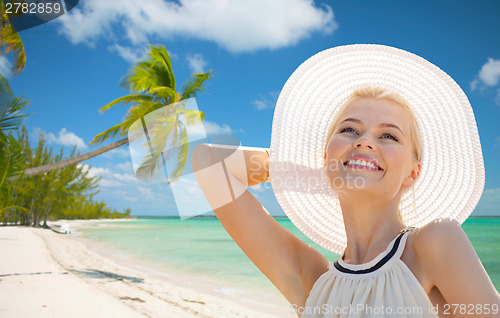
(389, 137)
(348, 129)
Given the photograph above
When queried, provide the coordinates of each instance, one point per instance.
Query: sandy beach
(45, 274)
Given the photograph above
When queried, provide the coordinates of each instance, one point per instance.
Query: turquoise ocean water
(202, 248)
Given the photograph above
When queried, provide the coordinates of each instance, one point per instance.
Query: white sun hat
(452, 177)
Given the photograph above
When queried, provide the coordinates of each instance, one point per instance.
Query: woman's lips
(362, 165)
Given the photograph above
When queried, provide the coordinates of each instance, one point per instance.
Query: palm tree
(11, 154)
(152, 86)
(10, 41)
(10, 119)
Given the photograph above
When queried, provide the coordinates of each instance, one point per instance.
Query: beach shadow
(94, 273)
(37, 273)
(133, 299)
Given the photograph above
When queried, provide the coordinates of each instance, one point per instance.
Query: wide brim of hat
(452, 177)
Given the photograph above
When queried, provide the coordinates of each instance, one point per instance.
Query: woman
(374, 155)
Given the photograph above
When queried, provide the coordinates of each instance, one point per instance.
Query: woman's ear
(413, 176)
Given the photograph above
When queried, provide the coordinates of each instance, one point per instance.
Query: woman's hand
(224, 172)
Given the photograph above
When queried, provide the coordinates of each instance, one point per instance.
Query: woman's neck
(370, 225)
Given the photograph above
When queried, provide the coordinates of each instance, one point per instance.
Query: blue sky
(75, 63)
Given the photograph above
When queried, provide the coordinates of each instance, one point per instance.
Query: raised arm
(223, 173)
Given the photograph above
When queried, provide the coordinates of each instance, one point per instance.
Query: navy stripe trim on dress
(374, 267)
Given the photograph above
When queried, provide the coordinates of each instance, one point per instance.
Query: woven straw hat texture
(452, 177)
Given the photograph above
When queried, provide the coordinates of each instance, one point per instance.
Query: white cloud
(129, 54)
(65, 138)
(197, 63)
(125, 195)
(490, 72)
(93, 171)
(110, 183)
(126, 177)
(122, 152)
(213, 128)
(488, 76)
(126, 187)
(474, 84)
(5, 66)
(244, 25)
(210, 128)
(146, 193)
(191, 188)
(125, 166)
(266, 101)
(108, 178)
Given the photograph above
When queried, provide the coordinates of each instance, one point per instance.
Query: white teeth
(362, 163)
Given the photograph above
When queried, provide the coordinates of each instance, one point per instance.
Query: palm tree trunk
(71, 161)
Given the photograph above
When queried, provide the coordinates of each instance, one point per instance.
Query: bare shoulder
(433, 240)
(438, 234)
(424, 243)
(449, 262)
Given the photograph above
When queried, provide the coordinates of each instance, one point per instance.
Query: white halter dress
(382, 287)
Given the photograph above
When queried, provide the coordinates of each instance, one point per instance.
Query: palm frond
(122, 128)
(137, 113)
(10, 107)
(163, 66)
(126, 100)
(11, 158)
(163, 92)
(195, 84)
(158, 133)
(182, 154)
(109, 133)
(140, 79)
(11, 42)
(155, 71)
(192, 116)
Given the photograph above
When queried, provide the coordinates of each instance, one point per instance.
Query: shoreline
(58, 274)
(272, 303)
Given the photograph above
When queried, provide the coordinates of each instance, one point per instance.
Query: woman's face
(370, 149)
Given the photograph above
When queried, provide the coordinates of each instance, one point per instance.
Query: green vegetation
(10, 42)
(11, 152)
(66, 193)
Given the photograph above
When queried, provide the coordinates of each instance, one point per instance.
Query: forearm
(224, 172)
(250, 165)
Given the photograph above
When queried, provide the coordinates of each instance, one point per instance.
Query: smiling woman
(371, 119)
(381, 93)
(354, 128)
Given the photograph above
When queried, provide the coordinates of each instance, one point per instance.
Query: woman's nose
(364, 141)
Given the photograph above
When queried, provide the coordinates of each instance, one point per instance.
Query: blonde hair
(382, 93)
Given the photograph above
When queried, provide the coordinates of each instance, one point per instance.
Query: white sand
(44, 274)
